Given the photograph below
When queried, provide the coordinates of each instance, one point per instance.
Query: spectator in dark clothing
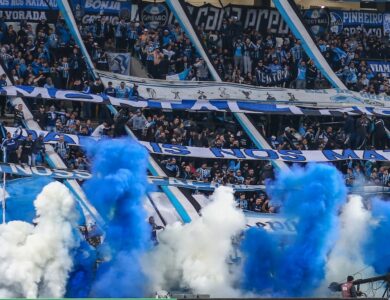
(38, 151)
(3, 99)
(19, 116)
(362, 127)
(40, 117)
(110, 90)
(27, 150)
(349, 130)
(380, 135)
(9, 146)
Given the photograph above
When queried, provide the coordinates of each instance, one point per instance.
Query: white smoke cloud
(195, 255)
(35, 260)
(346, 257)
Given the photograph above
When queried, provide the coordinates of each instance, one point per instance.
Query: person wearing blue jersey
(301, 76)
(122, 91)
(238, 50)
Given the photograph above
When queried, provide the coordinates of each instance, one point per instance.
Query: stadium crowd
(48, 57)
(244, 55)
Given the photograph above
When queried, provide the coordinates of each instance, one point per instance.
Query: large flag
(179, 76)
(119, 63)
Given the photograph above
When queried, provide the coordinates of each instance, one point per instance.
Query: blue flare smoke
(376, 250)
(311, 196)
(81, 277)
(117, 190)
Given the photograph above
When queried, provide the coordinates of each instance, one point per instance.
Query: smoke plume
(35, 260)
(347, 255)
(276, 267)
(376, 249)
(195, 256)
(117, 189)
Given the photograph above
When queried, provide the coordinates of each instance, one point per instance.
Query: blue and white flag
(179, 76)
(119, 63)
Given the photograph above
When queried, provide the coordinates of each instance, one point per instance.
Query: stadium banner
(177, 90)
(62, 174)
(269, 20)
(119, 63)
(209, 17)
(29, 10)
(273, 78)
(270, 222)
(245, 106)
(202, 186)
(154, 15)
(87, 11)
(379, 67)
(264, 20)
(294, 156)
(28, 171)
(323, 21)
(25, 170)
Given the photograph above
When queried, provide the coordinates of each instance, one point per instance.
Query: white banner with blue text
(294, 156)
(221, 105)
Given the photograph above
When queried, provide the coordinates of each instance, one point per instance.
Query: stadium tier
(186, 150)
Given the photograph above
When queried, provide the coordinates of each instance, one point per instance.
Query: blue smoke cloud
(376, 249)
(117, 190)
(311, 196)
(82, 275)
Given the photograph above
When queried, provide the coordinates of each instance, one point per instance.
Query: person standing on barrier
(39, 150)
(348, 289)
(3, 98)
(62, 148)
(18, 116)
(27, 149)
(9, 147)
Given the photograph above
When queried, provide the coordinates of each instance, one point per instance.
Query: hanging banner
(264, 20)
(322, 21)
(154, 15)
(87, 11)
(29, 10)
(386, 23)
(382, 67)
(269, 20)
(119, 63)
(60, 174)
(178, 90)
(202, 186)
(295, 156)
(25, 170)
(245, 106)
(270, 222)
(266, 78)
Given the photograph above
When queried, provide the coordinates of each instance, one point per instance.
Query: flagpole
(3, 202)
(4, 180)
